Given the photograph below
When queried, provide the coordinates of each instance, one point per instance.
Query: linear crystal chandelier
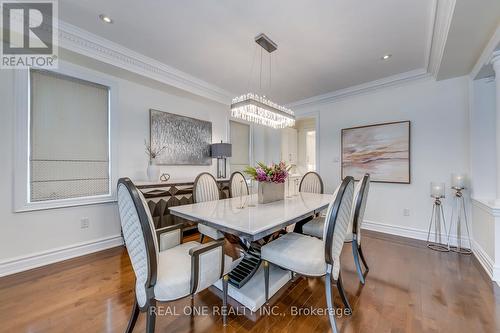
(259, 109)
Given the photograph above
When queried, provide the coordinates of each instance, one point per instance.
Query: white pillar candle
(437, 190)
(457, 181)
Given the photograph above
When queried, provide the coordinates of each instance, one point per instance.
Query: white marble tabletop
(255, 222)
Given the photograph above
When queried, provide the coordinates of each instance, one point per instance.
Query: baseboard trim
(483, 258)
(39, 259)
(407, 232)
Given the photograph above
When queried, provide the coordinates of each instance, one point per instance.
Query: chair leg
(355, 255)
(202, 237)
(329, 302)
(225, 280)
(363, 258)
(266, 279)
(340, 287)
(151, 318)
(133, 317)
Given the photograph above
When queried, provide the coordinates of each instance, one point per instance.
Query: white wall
(438, 112)
(267, 144)
(31, 233)
(483, 139)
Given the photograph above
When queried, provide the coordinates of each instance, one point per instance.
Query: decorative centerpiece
(153, 171)
(271, 180)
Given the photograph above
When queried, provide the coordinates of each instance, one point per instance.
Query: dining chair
(313, 257)
(237, 185)
(165, 268)
(311, 182)
(315, 226)
(360, 199)
(205, 188)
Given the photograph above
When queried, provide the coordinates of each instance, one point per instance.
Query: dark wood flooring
(409, 289)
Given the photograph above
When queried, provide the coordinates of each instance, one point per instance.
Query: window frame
(22, 140)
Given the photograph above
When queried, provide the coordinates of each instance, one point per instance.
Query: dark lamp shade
(221, 150)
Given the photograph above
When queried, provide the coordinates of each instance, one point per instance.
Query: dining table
(254, 224)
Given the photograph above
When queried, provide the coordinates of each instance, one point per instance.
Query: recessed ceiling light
(386, 57)
(105, 18)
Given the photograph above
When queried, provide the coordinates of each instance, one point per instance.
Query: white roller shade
(69, 138)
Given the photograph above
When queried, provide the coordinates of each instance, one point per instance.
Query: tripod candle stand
(459, 214)
(437, 220)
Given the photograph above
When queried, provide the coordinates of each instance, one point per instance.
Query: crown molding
(363, 88)
(487, 55)
(93, 46)
(443, 15)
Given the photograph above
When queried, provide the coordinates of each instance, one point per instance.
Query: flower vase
(153, 172)
(270, 192)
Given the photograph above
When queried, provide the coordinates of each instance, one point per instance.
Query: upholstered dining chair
(310, 256)
(360, 199)
(165, 268)
(237, 185)
(205, 188)
(311, 182)
(315, 226)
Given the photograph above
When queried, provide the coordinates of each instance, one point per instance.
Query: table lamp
(221, 151)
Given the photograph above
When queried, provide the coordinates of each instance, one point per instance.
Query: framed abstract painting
(382, 150)
(182, 140)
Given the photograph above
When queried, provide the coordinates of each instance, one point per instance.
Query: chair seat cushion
(296, 252)
(174, 272)
(210, 232)
(315, 228)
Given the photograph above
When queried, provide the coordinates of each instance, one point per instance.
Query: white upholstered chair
(165, 268)
(315, 226)
(205, 188)
(311, 182)
(360, 199)
(311, 256)
(237, 185)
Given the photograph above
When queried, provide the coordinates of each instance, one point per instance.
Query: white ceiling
(323, 45)
(473, 24)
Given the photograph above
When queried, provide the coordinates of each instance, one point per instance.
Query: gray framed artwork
(382, 150)
(186, 140)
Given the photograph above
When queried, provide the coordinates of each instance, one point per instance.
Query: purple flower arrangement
(274, 173)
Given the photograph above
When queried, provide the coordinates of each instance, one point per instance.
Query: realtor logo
(29, 37)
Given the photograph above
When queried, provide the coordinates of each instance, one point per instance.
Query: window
(240, 140)
(63, 139)
(69, 138)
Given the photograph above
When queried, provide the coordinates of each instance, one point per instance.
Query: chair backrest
(205, 188)
(140, 237)
(311, 182)
(360, 199)
(237, 185)
(337, 222)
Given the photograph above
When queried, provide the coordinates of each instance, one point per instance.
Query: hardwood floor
(408, 289)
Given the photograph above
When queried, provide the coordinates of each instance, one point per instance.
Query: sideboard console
(160, 196)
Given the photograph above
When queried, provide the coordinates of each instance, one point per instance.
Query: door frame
(316, 116)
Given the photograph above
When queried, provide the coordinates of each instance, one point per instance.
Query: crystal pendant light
(259, 109)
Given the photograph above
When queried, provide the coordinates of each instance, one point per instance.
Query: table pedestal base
(252, 294)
